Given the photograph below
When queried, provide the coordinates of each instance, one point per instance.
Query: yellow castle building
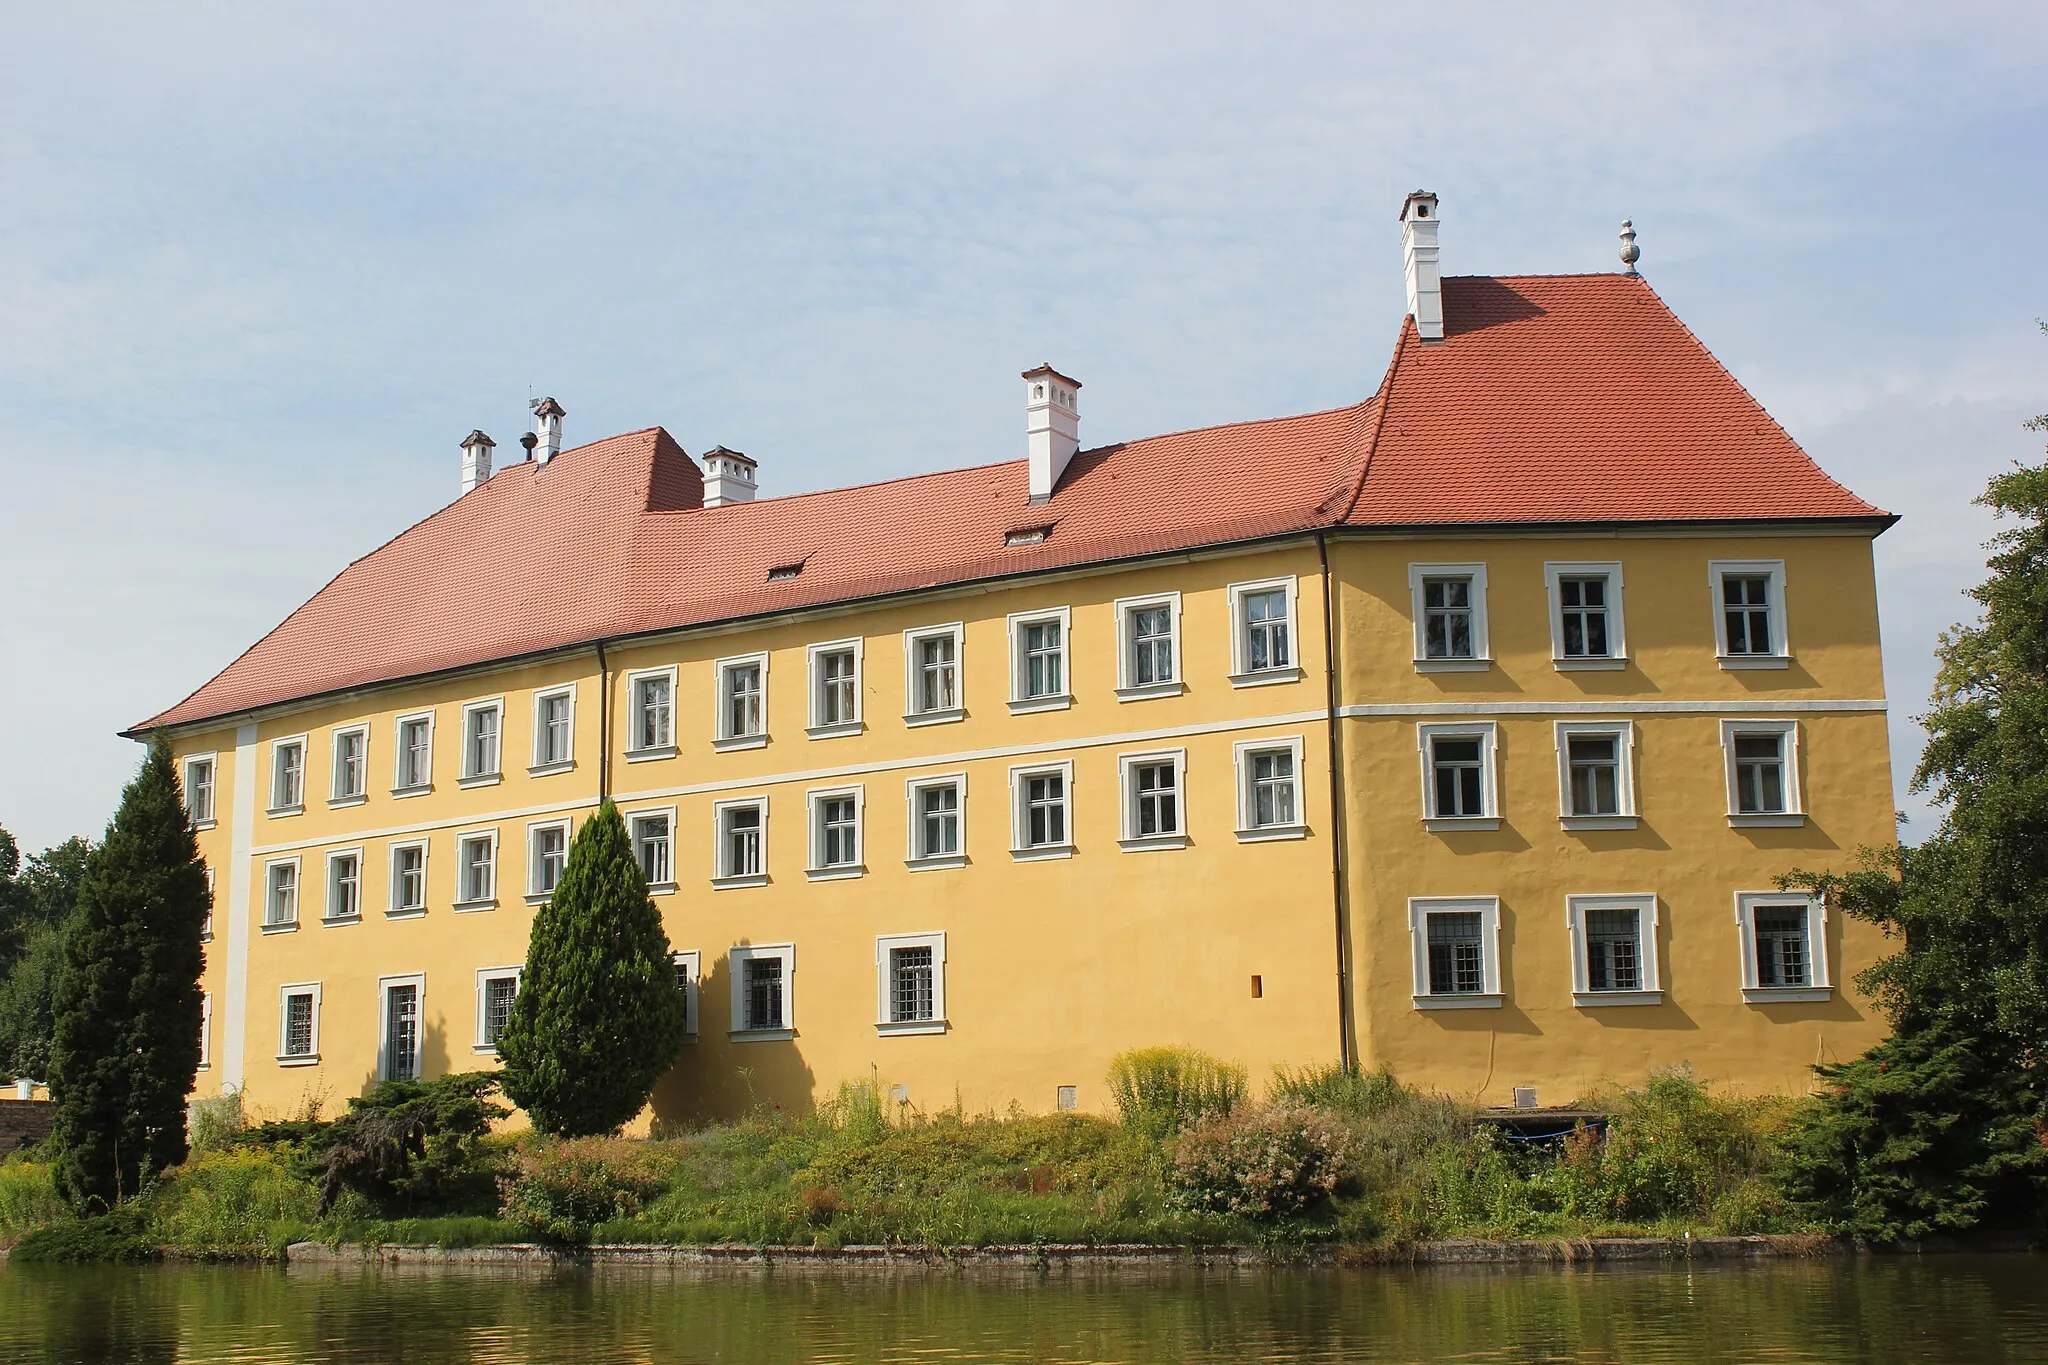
(1463, 730)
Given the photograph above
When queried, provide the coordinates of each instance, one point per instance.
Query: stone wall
(24, 1121)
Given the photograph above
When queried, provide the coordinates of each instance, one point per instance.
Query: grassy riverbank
(1325, 1158)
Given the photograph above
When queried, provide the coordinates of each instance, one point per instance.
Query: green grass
(231, 1205)
(28, 1199)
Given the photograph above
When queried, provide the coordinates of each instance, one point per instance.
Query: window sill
(1042, 853)
(466, 907)
(206, 937)
(331, 921)
(201, 826)
(943, 716)
(728, 743)
(281, 812)
(543, 897)
(303, 1059)
(733, 883)
(1460, 824)
(836, 874)
(291, 928)
(407, 912)
(567, 765)
(1267, 833)
(936, 861)
(1782, 820)
(480, 780)
(1024, 706)
(1608, 664)
(656, 889)
(906, 1029)
(484, 1049)
(1786, 995)
(836, 730)
(1589, 999)
(400, 793)
(1265, 677)
(1453, 665)
(761, 1035)
(1742, 661)
(1150, 842)
(650, 755)
(1147, 691)
(344, 802)
(1588, 822)
(1459, 1002)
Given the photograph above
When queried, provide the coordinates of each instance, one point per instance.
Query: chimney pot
(1052, 427)
(476, 460)
(728, 477)
(1419, 257)
(548, 414)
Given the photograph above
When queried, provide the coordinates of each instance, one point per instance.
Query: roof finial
(1630, 252)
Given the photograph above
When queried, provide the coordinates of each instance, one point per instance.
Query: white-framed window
(554, 730)
(547, 853)
(1148, 646)
(401, 1020)
(1784, 946)
(1762, 759)
(281, 894)
(740, 840)
(288, 775)
(1614, 949)
(496, 989)
(298, 1024)
(1039, 677)
(763, 991)
(1457, 951)
(937, 816)
(350, 784)
(653, 833)
(650, 714)
(408, 878)
(1154, 786)
(206, 924)
(1596, 786)
(1264, 642)
(836, 817)
(1042, 810)
(476, 870)
(742, 721)
(1449, 604)
(1586, 630)
(1749, 612)
(689, 980)
(1459, 788)
(483, 732)
(932, 674)
(206, 1030)
(345, 884)
(910, 979)
(1269, 789)
(834, 668)
(199, 771)
(413, 770)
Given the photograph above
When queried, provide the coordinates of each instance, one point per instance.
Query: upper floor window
(1596, 774)
(835, 833)
(345, 885)
(936, 811)
(1762, 759)
(742, 702)
(281, 893)
(741, 829)
(1585, 615)
(1038, 660)
(652, 697)
(1458, 775)
(1449, 605)
(288, 776)
(1456, 951)
(408, 879)
(415, 753)
(481, 725)
(1784, 946)
(835, 688)
(1041, 811)
(654, 846)
(932, 665)
(351, 765)
(1153, 806)
(1262, 632)
(1269, 789)
(547, 854)
(476, 870)
(199, 771)
(1148, 646)
(1749, 612)
(554, 719)
(1614, 949)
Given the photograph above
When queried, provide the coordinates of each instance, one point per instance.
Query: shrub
(406, 1147)
(28, 1198)
(1161, 1090)
(1341, 1090)
(1673, 1149)
(232, 1203)
(561, 1190)
(217, 1121)
(118, 1237)
(1279, 1163)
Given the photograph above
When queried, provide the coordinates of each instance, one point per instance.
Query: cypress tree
(599, 1015)
(127, 1010)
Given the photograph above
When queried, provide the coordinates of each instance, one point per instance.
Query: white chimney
(476, 459)
(1052, 426)
(1418, 254)
(548, 414)
(728, 477)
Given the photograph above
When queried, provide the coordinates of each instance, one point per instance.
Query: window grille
(911, 985)
(743, 841)
(1045, 809)
(1273, 788)
(1782, 955)
(1043, 655)
(937, 674)
(402, 1033)
(1582, 609)
(835, 688)
(1613, 950)
(743, 700)
(1746, 605)
(1456, 763)
(554, 730)
(1151, 645)
(550, 856)
(1456, 962)
(1447, 618)
(1266, 627)
(498, 995)
(764, 993)
(652, 713)
(1595, 763)
(652, 844)
(939, 820)
(1156, 793)
(298, 1025)
(1760, 774)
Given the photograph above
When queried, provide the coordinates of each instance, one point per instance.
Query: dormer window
(1026, 535)
(782, 573)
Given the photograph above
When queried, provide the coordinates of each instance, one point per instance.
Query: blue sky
(262, 268)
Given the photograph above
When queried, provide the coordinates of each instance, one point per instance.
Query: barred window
(499, 992)
(1614, 950)
(911, 985)
(1456, 954)
(402, 1032)
(1783, 956)
(298, 1024)
(764, 993)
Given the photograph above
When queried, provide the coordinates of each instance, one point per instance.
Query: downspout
(604, 727)
(1339, 897)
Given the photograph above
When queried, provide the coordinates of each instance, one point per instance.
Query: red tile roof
(1554, 399)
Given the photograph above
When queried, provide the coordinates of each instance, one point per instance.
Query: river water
(1892, 1310)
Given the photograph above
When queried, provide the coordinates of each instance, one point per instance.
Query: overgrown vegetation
(1161, 1090)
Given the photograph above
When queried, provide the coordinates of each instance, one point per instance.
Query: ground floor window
(764, 986)
(400, 1020)
(496, 988)
(1784, 946)
(298, 1024)
(911, 982)
(1457, 950)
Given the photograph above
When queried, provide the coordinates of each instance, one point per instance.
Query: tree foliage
(125, 1036)
(599, 1015)
(36, 898)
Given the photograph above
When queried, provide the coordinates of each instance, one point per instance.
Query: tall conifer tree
(126, 1044)
(599, 1015)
